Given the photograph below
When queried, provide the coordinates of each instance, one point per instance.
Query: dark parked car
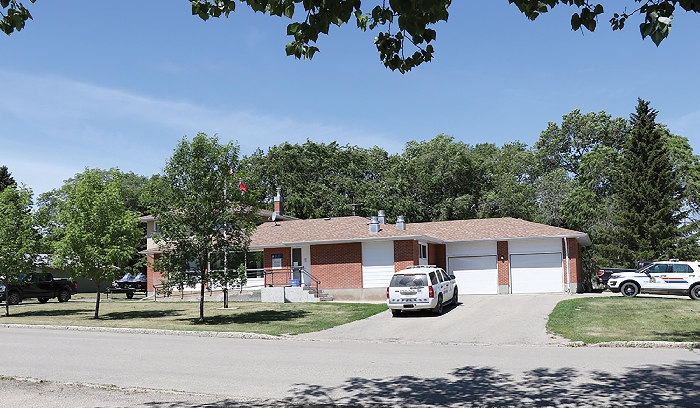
(42, 286)
(605, 273)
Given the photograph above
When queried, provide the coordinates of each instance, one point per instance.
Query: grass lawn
(594, 320)
(250, 317)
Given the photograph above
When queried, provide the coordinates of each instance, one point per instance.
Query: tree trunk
(7, 306)
(97, 301)
(225, 298)
(201, 296)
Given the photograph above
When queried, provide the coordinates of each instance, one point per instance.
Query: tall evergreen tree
(6, 179)
(649, 192)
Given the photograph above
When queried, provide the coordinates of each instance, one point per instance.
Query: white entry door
(537, 273)
(476, 275)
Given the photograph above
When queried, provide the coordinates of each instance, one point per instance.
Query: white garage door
(536, 273)
(377, 264)
(476, 275)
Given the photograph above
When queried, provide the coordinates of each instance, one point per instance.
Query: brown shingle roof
(490, 229)
(341, 229)
(354, 229)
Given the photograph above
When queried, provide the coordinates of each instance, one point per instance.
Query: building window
(423, 251)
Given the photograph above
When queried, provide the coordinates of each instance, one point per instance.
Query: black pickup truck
(42, 286)
(605, 273)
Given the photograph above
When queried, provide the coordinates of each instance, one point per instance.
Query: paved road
(489, 350)
(214, 371)
(478, 319)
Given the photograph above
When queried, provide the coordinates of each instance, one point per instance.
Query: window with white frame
(423, 251)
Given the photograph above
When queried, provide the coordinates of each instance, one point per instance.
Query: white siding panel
(471, 248)
(377, 264)
(530, 246)
(537, 273)
(475, 275)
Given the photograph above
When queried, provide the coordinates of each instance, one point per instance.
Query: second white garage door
(476, 275)
(536, 273)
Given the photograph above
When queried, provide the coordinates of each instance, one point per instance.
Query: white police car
(666, 278)
(421, 287)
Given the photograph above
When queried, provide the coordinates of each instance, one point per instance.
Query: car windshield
(406, 280)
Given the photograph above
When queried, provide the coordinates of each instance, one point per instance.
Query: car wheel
(439, 306)
(629, 289)
(129, 295)
(396, 312)
(63, 295)
(455, 297)
(695, 292)
(13, 298)
(43, 300)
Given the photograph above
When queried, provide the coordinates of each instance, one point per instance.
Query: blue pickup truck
(41, 286)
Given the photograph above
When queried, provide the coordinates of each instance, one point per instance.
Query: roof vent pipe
(278, 205)
(382, 217)
(373, 225)
(400, 223)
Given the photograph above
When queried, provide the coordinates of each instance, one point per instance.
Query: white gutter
(568, 267)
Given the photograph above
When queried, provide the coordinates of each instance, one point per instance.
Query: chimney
(381, 217)
(278, 202)
(373, 225)
(400, 223)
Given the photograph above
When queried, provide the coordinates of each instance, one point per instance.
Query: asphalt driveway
(478, 319)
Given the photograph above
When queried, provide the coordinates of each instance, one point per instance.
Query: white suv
(667, 278)
(421, 287)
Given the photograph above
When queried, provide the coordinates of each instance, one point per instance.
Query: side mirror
(452, 277)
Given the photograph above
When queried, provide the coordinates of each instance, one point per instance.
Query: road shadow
(423, 313)
(649, 386)
(670, 385)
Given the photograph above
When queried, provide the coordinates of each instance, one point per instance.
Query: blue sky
(118, 84)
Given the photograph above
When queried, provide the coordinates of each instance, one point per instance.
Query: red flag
(242, 187)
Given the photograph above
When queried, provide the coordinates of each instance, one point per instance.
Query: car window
(682, 268)
(405, 281)
(444, 275)
(433, 278)
(658, 268)
(440, 277)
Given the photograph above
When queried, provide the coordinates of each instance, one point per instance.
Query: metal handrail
(288, 272)
(307, 273)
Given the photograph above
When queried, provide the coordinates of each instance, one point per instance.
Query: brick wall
(503, 263)
(152, 277)
(405, 254)
(337, 265)
(437, 255)
(575, 266)
(280, 277)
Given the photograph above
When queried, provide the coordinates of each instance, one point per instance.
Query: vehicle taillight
(387, 293)
(600, 272)
(431, 293)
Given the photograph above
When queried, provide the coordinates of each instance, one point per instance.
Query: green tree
(317, 179)
(200, 209)
(97, 234)
(433, 180)
(17, 236)
(6, 179)
(649, 191)
(510, 175)
(563, 146)
(402, 23)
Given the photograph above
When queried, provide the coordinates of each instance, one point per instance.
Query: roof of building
(324, 230)
(355, 229)
(492, 229)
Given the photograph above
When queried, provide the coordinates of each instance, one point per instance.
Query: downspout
(568, 267)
